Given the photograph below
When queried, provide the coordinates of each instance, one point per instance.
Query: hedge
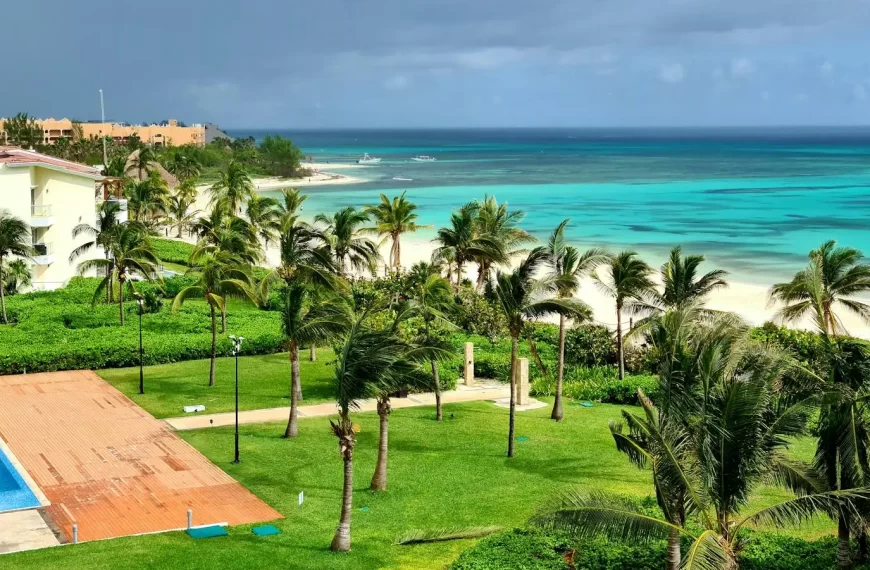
(62, 330)
(172, 251)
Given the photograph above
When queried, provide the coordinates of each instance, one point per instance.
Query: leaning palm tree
(626, 278)
(501, 225)
(264, 216)
(233, 188)
(130, 253)
(225, 232)
(221, 276)
(727, 437)
(522, 298)
(307, 320)
(15, 240)
(184, 167)
(365, 363)
(464, 243)
(179, 213)
(394, 218)
(148, 200)
(567, 266)
(142, 162)
(833, 276)
(102, 235)
(351, 251)
(16, 276)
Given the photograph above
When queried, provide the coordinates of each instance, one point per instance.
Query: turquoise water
(14, 492)
(754, 201)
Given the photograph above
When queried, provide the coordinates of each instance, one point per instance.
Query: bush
(601, 384)
(590, 345)
(61, 330)
(172, 251)
(520, 549)
(479, 316)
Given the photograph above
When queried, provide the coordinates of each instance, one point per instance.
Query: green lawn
(264, 382)
(449, 474)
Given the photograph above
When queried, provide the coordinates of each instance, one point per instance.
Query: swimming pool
(14, 492)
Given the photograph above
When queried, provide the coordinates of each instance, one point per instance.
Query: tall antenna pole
(103, 117)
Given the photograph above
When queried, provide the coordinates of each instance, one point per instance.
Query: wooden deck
(108, 465)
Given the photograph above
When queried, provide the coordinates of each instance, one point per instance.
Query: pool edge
(28, 480)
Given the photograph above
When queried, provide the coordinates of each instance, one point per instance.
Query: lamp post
(237, 348)
(141, 302)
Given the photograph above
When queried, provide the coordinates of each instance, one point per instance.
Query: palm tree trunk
(513, 400)
(863, 546)
(341, 540)
(3, 294)
(619, 340)
(396, 252)
(844, 549)
(313, 354)
(438, 415)
(121, 300)
(213, 346)
(674, 554)
(458, 274)
(481, 271)
(223, 320)
(558, 413)
(379, 479)
(293, 423)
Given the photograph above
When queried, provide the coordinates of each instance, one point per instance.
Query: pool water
(14, 492)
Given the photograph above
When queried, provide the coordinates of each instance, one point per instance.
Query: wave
(402, 179)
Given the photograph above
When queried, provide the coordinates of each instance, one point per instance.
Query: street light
(141, 302)
(237, 348)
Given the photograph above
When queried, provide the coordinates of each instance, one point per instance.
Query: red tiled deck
(108, 465)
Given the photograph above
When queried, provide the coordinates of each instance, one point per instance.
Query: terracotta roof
(14, 156)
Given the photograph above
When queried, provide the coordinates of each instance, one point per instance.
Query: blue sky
(444, 63)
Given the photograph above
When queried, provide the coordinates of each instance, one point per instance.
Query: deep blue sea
(755, 201)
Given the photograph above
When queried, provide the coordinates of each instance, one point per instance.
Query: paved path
(105, 463)
(481, 391)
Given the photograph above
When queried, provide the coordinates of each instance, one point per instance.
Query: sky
(441, 63)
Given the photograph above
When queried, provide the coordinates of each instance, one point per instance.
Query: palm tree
(567, 266)
(832, 277)
(184, 167)
(394, 218)
(497, 223)
(103, 234)
(15, 240)
(233, 188)
(130, 251)
(142, 161)
(522, 297)
(178, 212)
(225, 232)
(306, 320)
(465, 243)
(350, 249)
(221, 276)
(626, 278)
(147, 200)
(117, 167)
(264, 216)
(680, 285)
(724, 438)
(16, 276)
(365, 363)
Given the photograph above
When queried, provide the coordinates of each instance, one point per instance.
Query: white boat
(423, 158)
(366, 159)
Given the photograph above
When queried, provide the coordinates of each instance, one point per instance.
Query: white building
(52, 196)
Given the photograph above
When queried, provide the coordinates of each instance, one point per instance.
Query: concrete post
(75, 533)
(522, 382)
(468, 376)
(189, 519)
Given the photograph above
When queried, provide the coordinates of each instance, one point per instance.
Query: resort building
(162, 134)
(53, 196)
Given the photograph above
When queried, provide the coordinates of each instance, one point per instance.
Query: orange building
(156, 135)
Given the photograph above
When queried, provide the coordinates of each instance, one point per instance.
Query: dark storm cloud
(382, 62)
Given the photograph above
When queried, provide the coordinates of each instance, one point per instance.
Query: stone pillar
(522, 381)
(468, 374)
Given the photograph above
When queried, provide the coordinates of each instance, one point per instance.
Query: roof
(13, 156)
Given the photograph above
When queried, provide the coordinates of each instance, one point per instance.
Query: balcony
(41, 217)
(43, 254)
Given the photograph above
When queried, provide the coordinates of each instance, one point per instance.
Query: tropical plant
(465, 243)
(102, 234)
(179, 214)
(16, 276)
(566, 267)
(833, 276)
(220, 276)
(307, 320)
(497, 223)
(394, 218)
(117, 166)
(232, 189)
(522, 298)
(130, 252)
(626, 279)
(350, 250)
(184, 167)
(23, 130)
(141, 161)
(147, 200)
(365, 362)
(264, 216)
(15, 240)
(223, 231)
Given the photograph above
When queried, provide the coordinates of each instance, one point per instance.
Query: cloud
(396, 82)
(587, 56)
(826, 69)
(672, 73)
(491, 57)
(859, 93)
(742, 67)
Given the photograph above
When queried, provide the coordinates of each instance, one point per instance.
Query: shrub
(589, 345)
(477, 315)
(520, 549)
(172, 251)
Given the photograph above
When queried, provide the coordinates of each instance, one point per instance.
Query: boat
(366, 159)
(423, 158)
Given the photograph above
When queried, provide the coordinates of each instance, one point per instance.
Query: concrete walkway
(480, 391)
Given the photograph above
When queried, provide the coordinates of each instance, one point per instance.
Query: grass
(442, 475)
(264, 382)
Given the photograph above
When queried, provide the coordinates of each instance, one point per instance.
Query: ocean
(754, 201)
